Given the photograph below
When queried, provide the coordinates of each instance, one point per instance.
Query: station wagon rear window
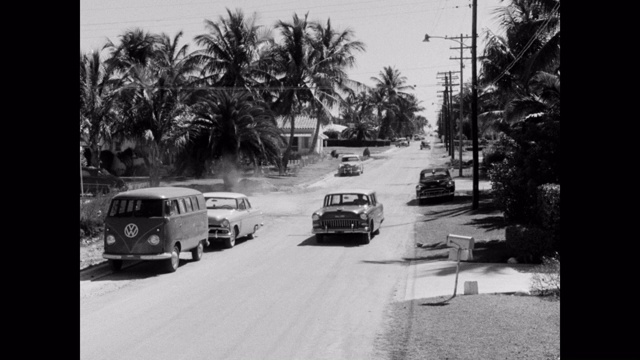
(135, 208)
(351, 158)
(346, 199)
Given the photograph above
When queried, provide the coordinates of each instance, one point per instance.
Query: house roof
(303, 122)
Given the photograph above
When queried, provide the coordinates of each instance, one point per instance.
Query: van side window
(187, 202)
(174, 208)
(114, 207)
(183, 210)
(194, 203)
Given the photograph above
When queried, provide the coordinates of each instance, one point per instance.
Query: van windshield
(135, 208)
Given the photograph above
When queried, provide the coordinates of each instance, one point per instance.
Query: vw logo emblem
(131, 230)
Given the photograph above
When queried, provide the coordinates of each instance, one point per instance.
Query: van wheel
(115, 265)
(231, 241)
(171, 265)
(196, 252)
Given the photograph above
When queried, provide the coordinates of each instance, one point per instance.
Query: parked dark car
(100, 181)
(350, 212)
(435, 183)
(424, 144)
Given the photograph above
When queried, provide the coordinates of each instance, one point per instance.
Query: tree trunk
(315, 137)
(287, 153)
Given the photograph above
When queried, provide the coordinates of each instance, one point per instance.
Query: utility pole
(449, 110)
(474, 107)
(462, 47)
(452, 149)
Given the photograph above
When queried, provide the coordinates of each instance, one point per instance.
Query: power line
(527, 46)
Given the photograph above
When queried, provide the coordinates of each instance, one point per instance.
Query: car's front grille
(433, 192)
(340, 224)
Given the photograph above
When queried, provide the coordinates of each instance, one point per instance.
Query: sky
(392, 31)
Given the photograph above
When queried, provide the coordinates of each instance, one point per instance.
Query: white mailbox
(462, 245)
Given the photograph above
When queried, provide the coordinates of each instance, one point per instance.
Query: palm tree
(155, 98)
(292, 63)
(391, 87)
(362, 130)
(334, 52)
(531, 44)
(234, 123)
(233, 50)
(96, 103)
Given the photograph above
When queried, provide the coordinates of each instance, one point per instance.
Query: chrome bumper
(162, 256)
(340, 231)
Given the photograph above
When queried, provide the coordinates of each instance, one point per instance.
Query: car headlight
(363, 216)
(153, 240)
(315, 217)
(111, 240)
(225, 223)
(450, 183)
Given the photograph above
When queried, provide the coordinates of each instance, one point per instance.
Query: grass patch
(474, 327)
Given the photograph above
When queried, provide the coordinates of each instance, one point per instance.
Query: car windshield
(346, 199)
(220, 203)
(351, 158)
(438, 175)
(135, 208)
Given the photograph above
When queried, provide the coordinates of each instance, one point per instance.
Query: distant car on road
(231, 216)
(402, 142)
(355, 212)
(99, 181)
(435, 183)
(350, 164)
(424, 144)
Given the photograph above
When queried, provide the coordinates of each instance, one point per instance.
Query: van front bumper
(162, 256)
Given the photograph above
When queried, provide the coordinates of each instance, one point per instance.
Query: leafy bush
(549, 210)
(546, 277)
(492, 155)
(531, 159)
(528, 244)
(92, 214)
(332, 134)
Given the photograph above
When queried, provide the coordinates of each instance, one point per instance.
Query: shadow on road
(334, 240)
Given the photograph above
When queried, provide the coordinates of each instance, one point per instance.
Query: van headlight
(111, 240)
(153, 240)
(225, 223)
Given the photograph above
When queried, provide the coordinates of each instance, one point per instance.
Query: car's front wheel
(231, 240)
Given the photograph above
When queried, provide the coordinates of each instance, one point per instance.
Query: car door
(254, 216)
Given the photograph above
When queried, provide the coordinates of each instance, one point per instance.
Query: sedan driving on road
(231, 216)
(350, 164)
(435, 183)
(349, 212)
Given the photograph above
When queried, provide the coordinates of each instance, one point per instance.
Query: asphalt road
(279, 296)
